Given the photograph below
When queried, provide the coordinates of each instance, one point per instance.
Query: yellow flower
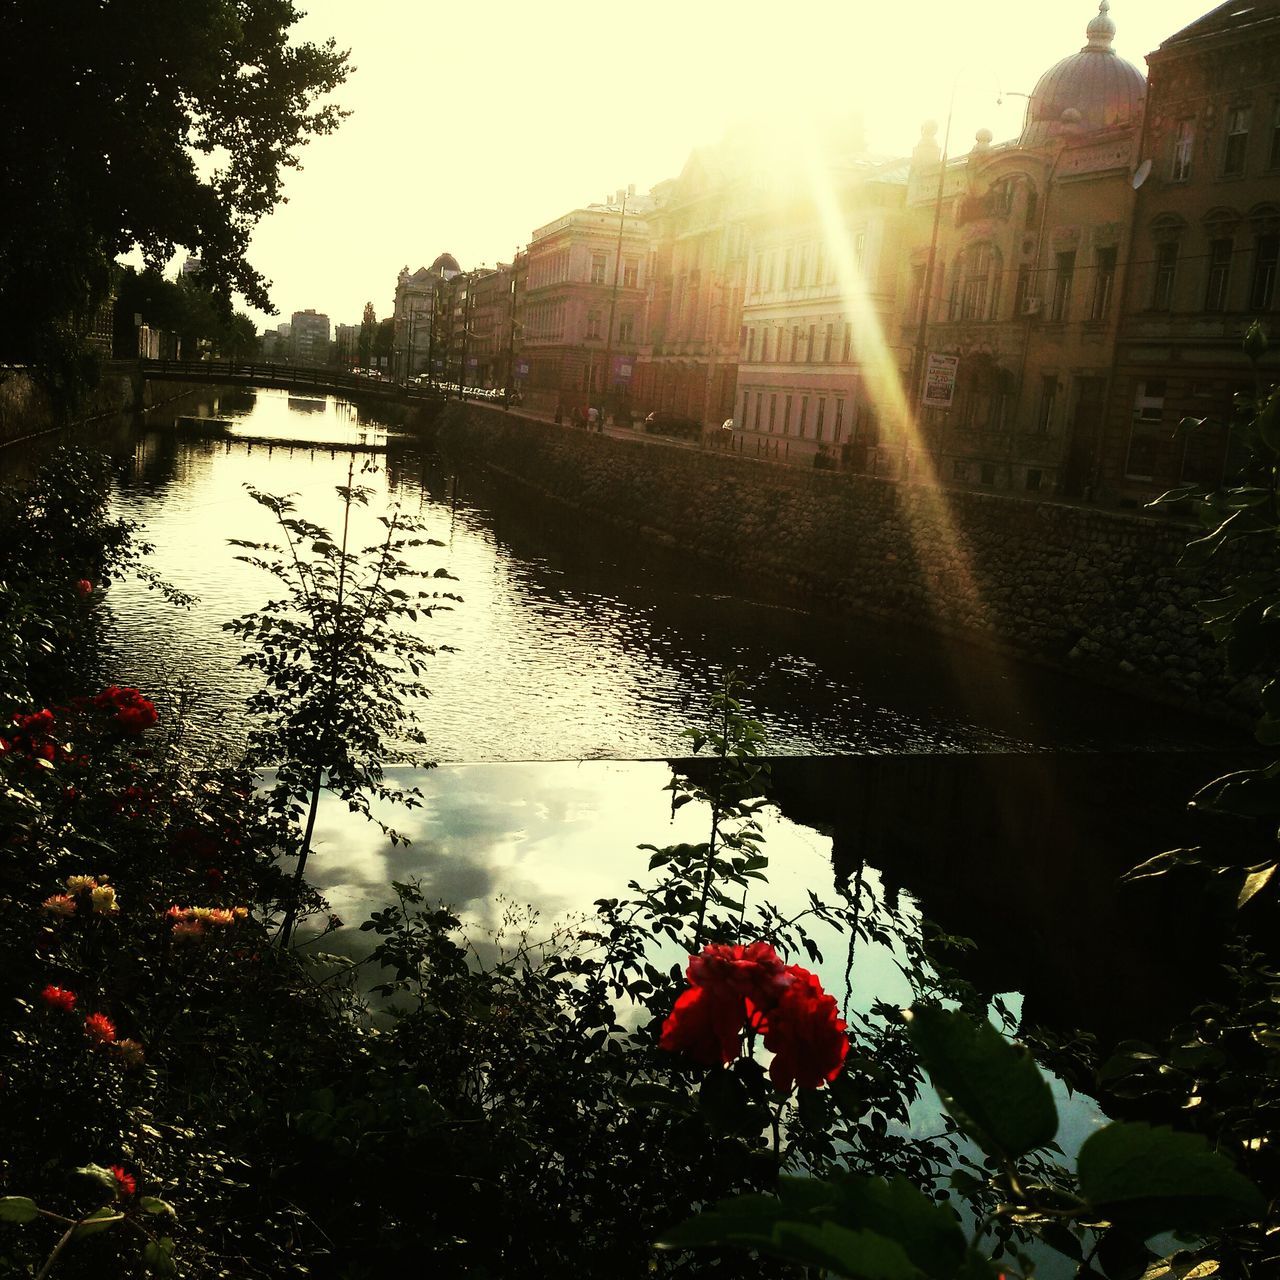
(220, 915)
(240, 913)
(199, 913)
(81, 884)
(130, 1052)
(104, 900)
(59, 904)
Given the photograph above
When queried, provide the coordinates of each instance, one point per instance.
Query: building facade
(820, 294)
(1019, 284)
(688, 363)
(418, 312)
(309, 338)
(583, 307)
(1206, 251)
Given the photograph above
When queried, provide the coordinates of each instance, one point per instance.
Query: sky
(475, 121)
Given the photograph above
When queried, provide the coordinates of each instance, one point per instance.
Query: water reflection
(568, 646)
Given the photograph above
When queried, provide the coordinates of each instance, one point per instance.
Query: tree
(368, 327)
(384, 338)
(143, 126)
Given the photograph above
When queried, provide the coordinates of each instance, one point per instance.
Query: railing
(283, 376)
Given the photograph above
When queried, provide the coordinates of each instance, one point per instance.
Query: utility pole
(613, 304)
(511, 332)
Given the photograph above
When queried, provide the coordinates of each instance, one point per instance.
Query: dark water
(570, 644)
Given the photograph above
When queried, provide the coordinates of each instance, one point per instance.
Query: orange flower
(59, 998)
(59, 904)
(126, 1184)
(100, 1029)
(187, 931)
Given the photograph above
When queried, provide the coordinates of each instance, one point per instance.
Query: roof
(1232, 18)
(1088, 91)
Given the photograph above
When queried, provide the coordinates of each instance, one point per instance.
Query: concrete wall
(1091, 591)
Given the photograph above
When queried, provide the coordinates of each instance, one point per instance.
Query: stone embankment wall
(25, 410)
(1091, 591)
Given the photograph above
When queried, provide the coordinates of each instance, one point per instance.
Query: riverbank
(1096, 593)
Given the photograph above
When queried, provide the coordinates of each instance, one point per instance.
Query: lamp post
(613, 304)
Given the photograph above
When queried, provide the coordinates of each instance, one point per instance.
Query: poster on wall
(940, 381)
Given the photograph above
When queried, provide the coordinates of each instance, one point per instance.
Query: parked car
(672, 424)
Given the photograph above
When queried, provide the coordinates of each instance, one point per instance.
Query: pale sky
(475, 121)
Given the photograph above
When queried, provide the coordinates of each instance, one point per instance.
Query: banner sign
(622, 367)
(940, 381)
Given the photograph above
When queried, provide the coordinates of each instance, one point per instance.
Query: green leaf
(97, 1221)
(859, 1255)
(1255, 882)
(1153, 1179)
(158, 1257)
(17, 1209)
(992, 1089)
(897, 1210)
(103, 1177)
(153, 1204)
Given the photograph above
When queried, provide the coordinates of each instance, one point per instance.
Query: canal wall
(25, 409)
(1095, 592)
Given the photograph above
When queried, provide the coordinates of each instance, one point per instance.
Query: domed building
(1089, 91)
(1019, 284)
(415, 314)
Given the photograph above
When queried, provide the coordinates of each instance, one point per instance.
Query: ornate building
(587, 274)
(1029, 260)
(419, 302)
(1206, 250)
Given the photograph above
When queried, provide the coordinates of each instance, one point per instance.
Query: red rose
(126, 1184)
(100, 1029)
(84, 587)
(133, 712)
(806, 1034)
(706, 1024)
(59, 998)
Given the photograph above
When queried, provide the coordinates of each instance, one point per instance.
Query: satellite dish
(1143, 173)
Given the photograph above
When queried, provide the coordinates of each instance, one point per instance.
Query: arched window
(975, 284)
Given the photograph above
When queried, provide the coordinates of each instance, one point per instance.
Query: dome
(445, 265)
(1098, 84)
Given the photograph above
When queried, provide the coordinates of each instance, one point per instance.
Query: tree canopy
(137, 124)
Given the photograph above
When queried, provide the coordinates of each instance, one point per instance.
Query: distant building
(192, 266)
(1206, 250)
(309, 338)
(421, 299)
(491, 316)
(346, 341)
(585, 269)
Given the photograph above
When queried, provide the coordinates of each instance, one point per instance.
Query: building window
(759, 400)
(1033, 203)
(819, 265)
(1262, 294)
(1166, 268)
(916, 305)
(860, 249)
(795, 344)
(597, 268)
(989, 473)
(1048, 401)
(630, 273)
(1034, 475)
(1215, 297)
(822, 413)
(786, 270)
(802, 262)
(1022, 291)
(746, 404)
(1237, 142)
(593, 324)
(773, 411)
(959, 469)
(826, 350)
(751, 346)
(1183, 142)
(1273, 160)
(838, 426)
(627, 329)
(786, 416)
(1148, 402)
(813, 333)
(848, 341)
(1065, 269)
(1104, 266)
(803, 420)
